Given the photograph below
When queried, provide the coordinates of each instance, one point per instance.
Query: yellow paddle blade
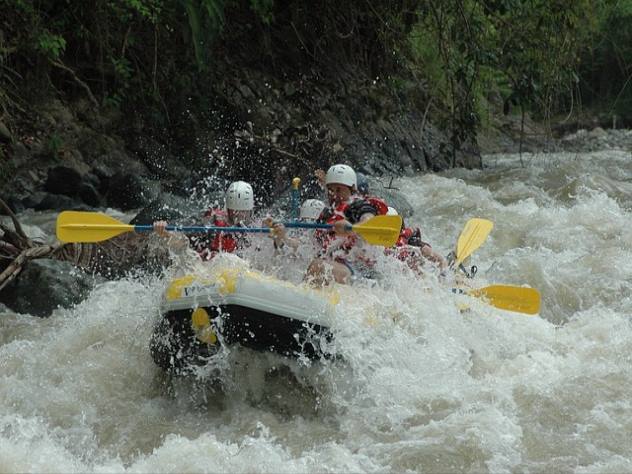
(474, 234)
(510, 298)
(380, 230)
(74, 226)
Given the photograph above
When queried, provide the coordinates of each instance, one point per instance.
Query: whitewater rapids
(424, 386)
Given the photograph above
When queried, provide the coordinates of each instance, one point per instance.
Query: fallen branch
(83, 85)
(14, 219)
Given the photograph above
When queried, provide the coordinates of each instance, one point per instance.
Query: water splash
(423, 383)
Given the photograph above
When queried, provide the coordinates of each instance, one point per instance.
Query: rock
(579, 134)
(597, 132)
(58, 202)
(392, 196)
(102, 171)
(59, 112)
(20, 154)
(4, 309)
(289, 89)
(14, 203)
(160, 162)
(246, 92)
(92, 179)
(171, 208)
(88, 194)
(5, 134)
(34, 199)
(63, 180)
(130, 191)
(45, 285)
(103, 174)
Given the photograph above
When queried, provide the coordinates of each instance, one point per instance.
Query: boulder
(171, 208)
(45, 285)
(14, 203)
(33, 200)
(129, 191)
(88, 194)
(62, 180)
(58, 202)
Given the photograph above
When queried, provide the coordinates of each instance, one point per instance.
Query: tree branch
(82, 84)
(16, 222)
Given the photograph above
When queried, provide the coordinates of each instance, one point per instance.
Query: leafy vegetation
(541, 56)
(605, 69)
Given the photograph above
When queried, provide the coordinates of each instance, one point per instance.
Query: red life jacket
(379, 204)
(329, 215)
(351, 210)
(411, 236)
(404, 236)
(407, 248)
(207, 246)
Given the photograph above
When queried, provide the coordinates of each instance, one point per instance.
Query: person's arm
(426, 249)
(342, 227)
(279, 236)
(360, 211)
(366, 216)
(430, 254)
(175, 240)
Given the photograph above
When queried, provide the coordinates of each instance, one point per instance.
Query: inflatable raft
(239, 306)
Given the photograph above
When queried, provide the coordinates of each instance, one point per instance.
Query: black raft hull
(201, 315)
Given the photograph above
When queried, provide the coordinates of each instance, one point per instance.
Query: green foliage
(452, 43)
(606, 63)
(525, 50)
(54, 144)
(264, 10)
(539, 45)
(135, 53)
(148, 9)
(206, 19)
(51, 45)
(425, 49)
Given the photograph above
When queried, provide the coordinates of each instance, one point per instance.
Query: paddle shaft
(298, 225)
(312, 225)
(201, 229)
(196, 229)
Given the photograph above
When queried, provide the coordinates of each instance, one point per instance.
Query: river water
(422, 386)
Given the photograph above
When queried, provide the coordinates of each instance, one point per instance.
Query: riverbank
(507, 134)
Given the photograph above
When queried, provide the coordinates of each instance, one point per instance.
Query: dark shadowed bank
(113, 103)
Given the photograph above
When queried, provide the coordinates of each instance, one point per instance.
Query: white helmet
(391, 211)
(239, 196)
(311, 209)
(341, 174)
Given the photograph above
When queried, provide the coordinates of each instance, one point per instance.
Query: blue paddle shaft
(313, 225)
(307, 225)
(264, 230)
(294, 203)
(202, 229)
